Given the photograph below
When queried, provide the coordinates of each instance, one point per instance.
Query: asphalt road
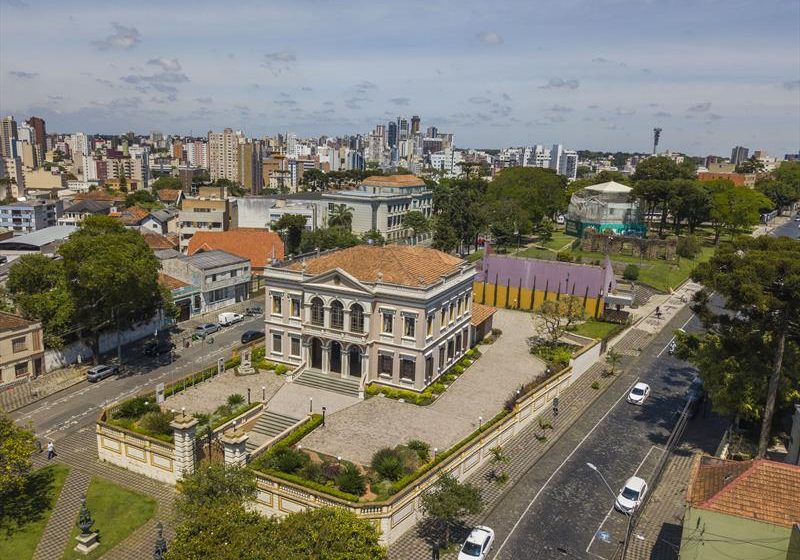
(789, 229)
(77, 407)
(556, 510)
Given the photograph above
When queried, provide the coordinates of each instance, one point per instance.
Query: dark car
(101, 372)
(695, 396)
(158, 347)
(250, 336)
(254, 311)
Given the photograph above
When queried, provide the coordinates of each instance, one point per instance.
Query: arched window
(357, 319)
(337, 315)
(317, 312)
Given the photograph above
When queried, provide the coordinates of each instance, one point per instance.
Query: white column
(345, 363)
(326, 357)
(185, 445)
(235, 443)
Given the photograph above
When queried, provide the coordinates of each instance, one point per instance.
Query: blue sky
(596, 74)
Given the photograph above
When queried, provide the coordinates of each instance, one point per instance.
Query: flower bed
(260, 362)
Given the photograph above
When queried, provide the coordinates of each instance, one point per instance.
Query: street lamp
(310, 405)
(595, 469)
(480, 423)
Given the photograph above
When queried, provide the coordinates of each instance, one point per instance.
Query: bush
(136, 407)
(223, 410)
(313, 472)
(280, 369)
(564, 256)
(595, 385)
(331, 470)
(631, 272)
(473, 354)
(388, 463)
(438, 387)
(235, 400)
(351, 480)
(448, 378)
(288, 460)
(157, 422)
(688, 247)
(422, 449)
(457, 369)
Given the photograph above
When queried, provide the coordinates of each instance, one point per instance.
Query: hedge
(325, 489)
(291, 438)
(238, 412)
(421, 399)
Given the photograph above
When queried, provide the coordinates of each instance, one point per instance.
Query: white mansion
(399, 315)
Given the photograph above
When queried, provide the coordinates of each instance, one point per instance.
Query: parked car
(250, 336)
(158, 347)
(797, 218)
(695, 396)
(206, 329)
(254, 311)
(639, 393)
(478, 544)
(226, 319)
(631, 495)
(101, 372)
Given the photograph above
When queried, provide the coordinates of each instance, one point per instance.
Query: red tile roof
(132, 216)
(10, 322)
(761, 490)
(480, 313)
(158, 242)
(169, 282)
(256, 245)
(169, 195)
(394, 264)
(394, 181)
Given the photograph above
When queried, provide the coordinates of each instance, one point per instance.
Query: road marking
(603, 522)
(673, 338)
(564, 462)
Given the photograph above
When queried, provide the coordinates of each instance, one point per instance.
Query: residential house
(26, 217)
(76, 212)
(259, 246)
(209, 211)
(741, 509)
(170, 197)
(397, 315)
(21, 349)
(163, 221)
(185, 296)
(159, 242)
(221, 278)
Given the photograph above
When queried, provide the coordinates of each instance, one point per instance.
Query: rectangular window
(442, 350)
(276, 342)
(277, 300)
(385, 364)
(444, 316)
(295, 307)
(429, 325)
(18, 344)
(458, 343)
(459, 307)
(450, 350)
(409, 327)
(233, 273)
(295, 346)
(407, 369)
(21, 369)
(387, 323)
(452, 312)
(428, 369)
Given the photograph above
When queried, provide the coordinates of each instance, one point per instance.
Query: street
(789, 229)
(72, 409)
(561, 508)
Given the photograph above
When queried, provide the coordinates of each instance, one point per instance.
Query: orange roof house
(259, 246)
(170, 196)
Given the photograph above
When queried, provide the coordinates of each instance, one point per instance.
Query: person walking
(51, 450)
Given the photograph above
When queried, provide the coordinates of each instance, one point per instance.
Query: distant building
(77, 212)
(21, 349)
(26, 217)
(258, 246)
(44, 242)
(8, 137)
(223, 155)
(606, 206)
(564, 162)
(209, 211)
(739, 154)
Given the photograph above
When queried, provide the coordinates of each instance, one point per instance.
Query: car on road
(695, 396)
(478, 544)
(101, 371)
(639, 393)
(250, 336)
(797, 218)
(206, 329)
(253, 311)
(226, 319)
(158, 347)
(631, 495)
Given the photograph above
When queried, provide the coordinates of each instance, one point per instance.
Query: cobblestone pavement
(43, 386)
(292, 399)
(357, 432)
(79, 451)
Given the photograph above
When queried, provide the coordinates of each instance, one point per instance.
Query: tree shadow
(432, 531)
(28, 503)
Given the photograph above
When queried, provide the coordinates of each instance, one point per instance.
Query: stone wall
(134, 452)
(628, 245)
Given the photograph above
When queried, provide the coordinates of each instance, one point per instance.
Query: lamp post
(323, 416)
(480, 423)
(263, 393)
(310, 405)
(595, 469)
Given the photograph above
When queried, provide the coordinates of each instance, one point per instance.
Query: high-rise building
(415, 124)
(739, 154)
(80, 143)
(391, 137)
(8, 137)
(568, 166)
(432, 132)
(197, 154)
(37, 123)
(223, 155)
(402, 129)
(250, 166)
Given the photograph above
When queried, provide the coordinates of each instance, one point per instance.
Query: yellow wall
(486, 294)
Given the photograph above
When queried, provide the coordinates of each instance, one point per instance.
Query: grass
(537, 253)
(597, 329)
(476, 256)
(559, 241)
(22, 543)
(117, 512)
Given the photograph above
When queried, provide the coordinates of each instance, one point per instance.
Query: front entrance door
(316, 354)
(336, 357)
(354, 357)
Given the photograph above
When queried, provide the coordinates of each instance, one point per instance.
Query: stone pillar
(326, 356)
(235, 443)
(345, 363)
(185, 445)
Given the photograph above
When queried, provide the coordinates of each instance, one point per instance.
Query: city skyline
(711, 76)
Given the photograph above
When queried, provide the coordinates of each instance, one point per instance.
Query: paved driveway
(355, 433)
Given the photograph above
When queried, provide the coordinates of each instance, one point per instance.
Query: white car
(226, 319)
(639, 393)
(631, 495)
(478, 544)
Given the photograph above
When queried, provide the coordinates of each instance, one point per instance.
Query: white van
(226, 319)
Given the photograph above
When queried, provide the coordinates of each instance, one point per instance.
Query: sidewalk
(43, 386)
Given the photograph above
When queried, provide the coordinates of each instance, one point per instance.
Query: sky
(590, 74)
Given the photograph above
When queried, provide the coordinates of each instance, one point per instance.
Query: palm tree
(341, 215)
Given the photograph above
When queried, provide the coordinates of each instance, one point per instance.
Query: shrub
(447, 379)
(688, 247)
(331, 470)
(157, 422)
(388, 463)
(496, 332)
(544, 424)
(457, 369)
(312, 471)
(351, 480)
(631, 272)
(438, 388)
(235, 400)
(595, 385)
(280, 369)
(223, 410)
(423, 449)
(473, 354)
(288, 460)
(421, 399)
(564, 256)
(136, 407)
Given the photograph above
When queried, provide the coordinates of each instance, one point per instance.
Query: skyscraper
(739, 154)
(415, 124)
(402, 129)
(223, 155)
(37, 124)
(8, 137)
(391, 136)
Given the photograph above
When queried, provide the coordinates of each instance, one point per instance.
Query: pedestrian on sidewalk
(51, 450)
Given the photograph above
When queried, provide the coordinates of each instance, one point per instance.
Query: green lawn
(537, 253)
(597, 329)
(476, 256)
(559, 241)
(22, 544)
(117, 512)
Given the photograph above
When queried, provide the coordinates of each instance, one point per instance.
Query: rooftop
(132, 216)
(169, 195)
(9, 322)
(760, 490)
(90, 206)
(393, 181)
(404, 265)
(170, 282)
(214, 259)
(156, 241)
(41, 237)
(256, 245)
(611, 187)
(480, 313)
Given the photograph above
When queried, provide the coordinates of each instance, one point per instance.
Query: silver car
(101, 372)
(206, 329)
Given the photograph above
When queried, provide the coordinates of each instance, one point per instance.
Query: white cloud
(166, 64)
(123, 38)
(490, 38)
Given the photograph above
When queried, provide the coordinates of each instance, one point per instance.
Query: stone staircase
(331, 382)
(269, 425)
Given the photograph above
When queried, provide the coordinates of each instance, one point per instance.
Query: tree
(417, 223)
(688, 247)
(752, 165)
(449, 501)
(328, 533)
(291, 227)
(167, 182)
(24, 495)
(760, 281)
(537, 192)
(662, 168)
(734, 208)
(111, 275)
(16, 447)
(582, 171)
(459, 213)
(691, 203)
(213, 485)
(373, 237)
(143, 199)
(782, 186)
(341, 215)
(613, 359)
(559, 315)
(315, 180)
(327, 238)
